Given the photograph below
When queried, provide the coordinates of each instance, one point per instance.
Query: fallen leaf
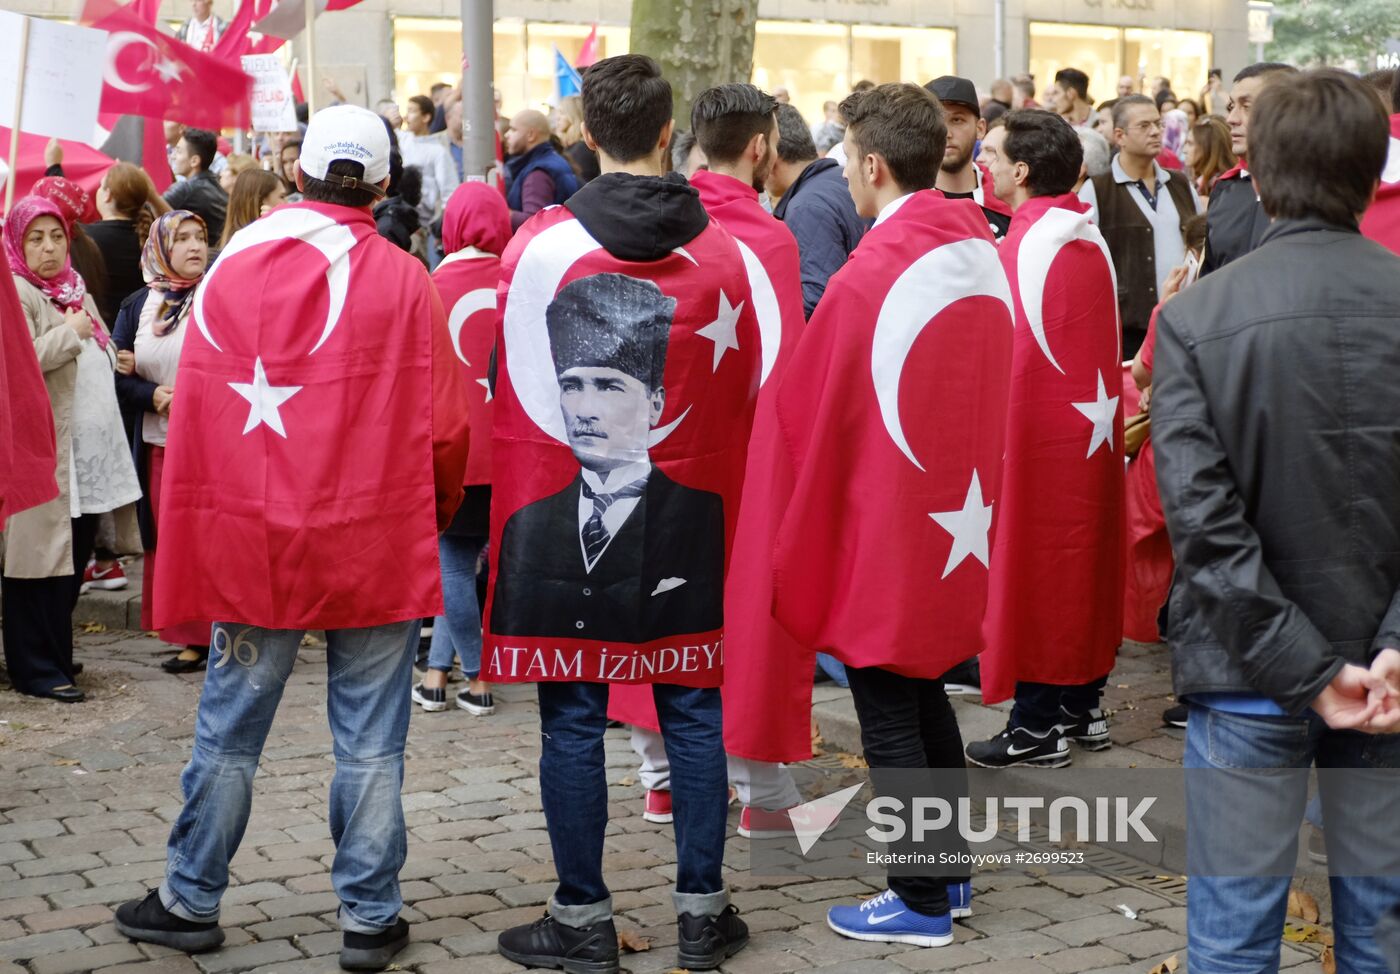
(852, 761)
(66, 762)
(1300, 933)
(1329, 961)
(1302, 904)
(631, 941)
(94, 627)
(628, 781)
(1167, 966)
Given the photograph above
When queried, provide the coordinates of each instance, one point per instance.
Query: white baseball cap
(351, 133)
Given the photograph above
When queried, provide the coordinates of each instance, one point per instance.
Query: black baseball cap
(959, 91)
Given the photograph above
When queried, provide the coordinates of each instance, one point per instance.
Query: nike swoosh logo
(1016, 752)
(874, 920)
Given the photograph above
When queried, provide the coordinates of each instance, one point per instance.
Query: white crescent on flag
(1039, 248)
(330, 238)
(765, 306)
(962, 269)
(466, 306)
(119, 41)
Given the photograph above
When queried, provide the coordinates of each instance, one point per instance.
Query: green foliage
(1334, 32)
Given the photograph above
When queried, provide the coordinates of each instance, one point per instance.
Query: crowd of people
(942, 390)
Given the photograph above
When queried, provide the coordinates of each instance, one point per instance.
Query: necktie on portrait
(595, 535)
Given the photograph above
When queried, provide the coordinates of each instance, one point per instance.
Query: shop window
(1094, 50)
(812, 61)
(1180, 56)
(916, 54)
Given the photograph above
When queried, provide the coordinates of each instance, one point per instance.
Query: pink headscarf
(66, 288)
(476, 215)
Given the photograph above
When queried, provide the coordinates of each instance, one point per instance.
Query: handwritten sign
(62, 77)
(273, 107)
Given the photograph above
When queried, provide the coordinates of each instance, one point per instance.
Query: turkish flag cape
(1382, 220)
(27, 448)
(892, 416)
(320, 425)
(81, 163)
(649, 607)
(151, 74)
(1055, 602)
(767, 675)
(467, 285)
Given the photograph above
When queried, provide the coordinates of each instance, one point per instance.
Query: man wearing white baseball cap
(322, 429)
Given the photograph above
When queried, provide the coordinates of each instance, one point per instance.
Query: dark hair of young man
(794, 137)
(438, 86)
(903, 123)
(1341, 121)
(1123, 106)
(726, 117)
(1048, 145)
(203, 144)
(322, 191)
(424, 104)
(626, 104)
(1264, 67)
(1075, 80)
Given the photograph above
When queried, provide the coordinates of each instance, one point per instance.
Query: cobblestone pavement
(87, 794)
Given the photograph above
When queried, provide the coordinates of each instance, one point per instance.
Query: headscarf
(476, 215)
(70, 197)
(66, 288)
(160, 276)
(1174, 126)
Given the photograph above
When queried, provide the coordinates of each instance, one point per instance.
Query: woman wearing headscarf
(153, 323)
(48, 546)
(475, 231)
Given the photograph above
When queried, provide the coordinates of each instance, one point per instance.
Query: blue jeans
(574, 791)
(459, 631)
(1233, 922)
(370, 673)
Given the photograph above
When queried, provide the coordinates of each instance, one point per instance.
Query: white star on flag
(168, 69)
(485, 384)
(970, 527)
(723, 331)
(263, 400)
(1101, 413)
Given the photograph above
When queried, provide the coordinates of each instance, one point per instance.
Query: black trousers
(1037, 705)
(907, 724)
(38, 627)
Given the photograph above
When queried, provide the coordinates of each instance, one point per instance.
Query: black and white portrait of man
(623, 553)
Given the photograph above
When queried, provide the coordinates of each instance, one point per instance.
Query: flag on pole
(566, 77)
(589, 52)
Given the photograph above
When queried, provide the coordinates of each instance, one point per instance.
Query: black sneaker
(373, 951)
(964, 680)
(549, 943)
(1089, 730)
(1176, 716)
(1017, 745)
(150, 921)
(479, 704)
(705, 942)
(431, 699)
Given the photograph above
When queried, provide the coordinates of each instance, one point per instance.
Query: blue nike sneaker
(886, 918)
(960, 899)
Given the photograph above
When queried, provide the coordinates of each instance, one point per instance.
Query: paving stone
(90, 959)
(1091, 930)
(58, 864)
(11, 852)
(1026, 943)
(1147, 944)
(1005, 921)
(45, 886)
(286, 928)
(113, 893)
(37, 829)
(42, 944)
(77, 918)
(466, 907)
(254, 892)
(1078, 959)
(21, 906)
(247, 956)
(252, 872)
(174, 964)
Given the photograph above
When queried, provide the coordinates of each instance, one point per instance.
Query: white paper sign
(62, 76)
(274, 109)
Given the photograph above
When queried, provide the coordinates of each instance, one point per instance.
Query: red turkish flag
(319, 436)
(151, 74)
(892, 414)
(82, 163)
(767, 675)
(1382, 220)
(1055, 604)
(27, 450)
(625, 391)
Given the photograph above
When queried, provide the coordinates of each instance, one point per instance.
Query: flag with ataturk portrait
(318, 432)
(892, 416)
(628, 360)
(1055, 604)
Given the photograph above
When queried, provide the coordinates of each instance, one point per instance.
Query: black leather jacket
(1235, 222)
(202, 194)
(1276, 426)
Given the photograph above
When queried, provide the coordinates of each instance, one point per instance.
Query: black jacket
(121, 252)
(1276, 427)
(1235, 221)
(661, 575)
(819, 211)
(201, 194)
(136, 397)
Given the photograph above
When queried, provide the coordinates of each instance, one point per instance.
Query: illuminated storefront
(1107, 53)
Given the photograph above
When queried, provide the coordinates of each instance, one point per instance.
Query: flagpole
(310, 58)
(478, 106)
(19, 115)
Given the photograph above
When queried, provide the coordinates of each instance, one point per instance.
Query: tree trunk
(698, 43)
